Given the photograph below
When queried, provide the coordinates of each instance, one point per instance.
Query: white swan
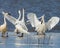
(3, 28)
(23, 23)
(19, 24)
(42, 26)
(16, 30)
(19, 12)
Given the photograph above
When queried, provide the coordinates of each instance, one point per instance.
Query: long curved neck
(23, 15)
(42, 21)
(4, 20)
(19, 14)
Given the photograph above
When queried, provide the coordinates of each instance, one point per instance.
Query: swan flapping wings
(35, 22)
(14, 20)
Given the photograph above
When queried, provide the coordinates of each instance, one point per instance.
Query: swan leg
(40, 33)
(17, 32)
(43, 33)
(21, 35)
(37, 33)
(7, 34)
(3, 33)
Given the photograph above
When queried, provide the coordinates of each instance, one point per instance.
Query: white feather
(33, 19)
(42, 26)
(52, 22)
(23, 22)
(19, 12)
(3, 27)
(19, 24)
(9, 17)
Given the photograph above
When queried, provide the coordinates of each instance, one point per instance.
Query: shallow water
(51, 40)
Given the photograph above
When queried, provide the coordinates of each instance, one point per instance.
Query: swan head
(42, 16)
(19, 11)
(5, 14)
(42, 19)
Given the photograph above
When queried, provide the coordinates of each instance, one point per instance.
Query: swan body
(19, 24)
(42, 26)
(3, 27)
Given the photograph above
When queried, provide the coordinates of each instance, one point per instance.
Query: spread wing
(24, 26)
(23, 22)
(9, 18)
(52, 22)
(33, 19)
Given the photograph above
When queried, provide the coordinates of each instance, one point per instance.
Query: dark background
(48, 7)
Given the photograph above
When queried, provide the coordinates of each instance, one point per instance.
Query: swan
(19, 24)
(3, 28)
(16, 30)
(42, 26)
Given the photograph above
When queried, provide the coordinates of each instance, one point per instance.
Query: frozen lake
(51, 40)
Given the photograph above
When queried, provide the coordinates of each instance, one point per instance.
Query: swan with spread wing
(42, 26)
(19, 24)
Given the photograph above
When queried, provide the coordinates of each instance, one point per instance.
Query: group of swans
(19, 24)
(42, 26)
(20, 27)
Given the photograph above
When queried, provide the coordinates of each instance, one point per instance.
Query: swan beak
(3, 12)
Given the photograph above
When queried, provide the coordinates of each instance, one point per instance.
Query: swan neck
(4, 20)
(19, 14)
(23, 15)
(43, 19)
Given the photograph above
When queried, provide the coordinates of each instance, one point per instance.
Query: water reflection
(49, 41)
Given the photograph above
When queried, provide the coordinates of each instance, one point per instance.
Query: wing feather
(52, 22)
(9, 18)
(33, 19)
(24, 26)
